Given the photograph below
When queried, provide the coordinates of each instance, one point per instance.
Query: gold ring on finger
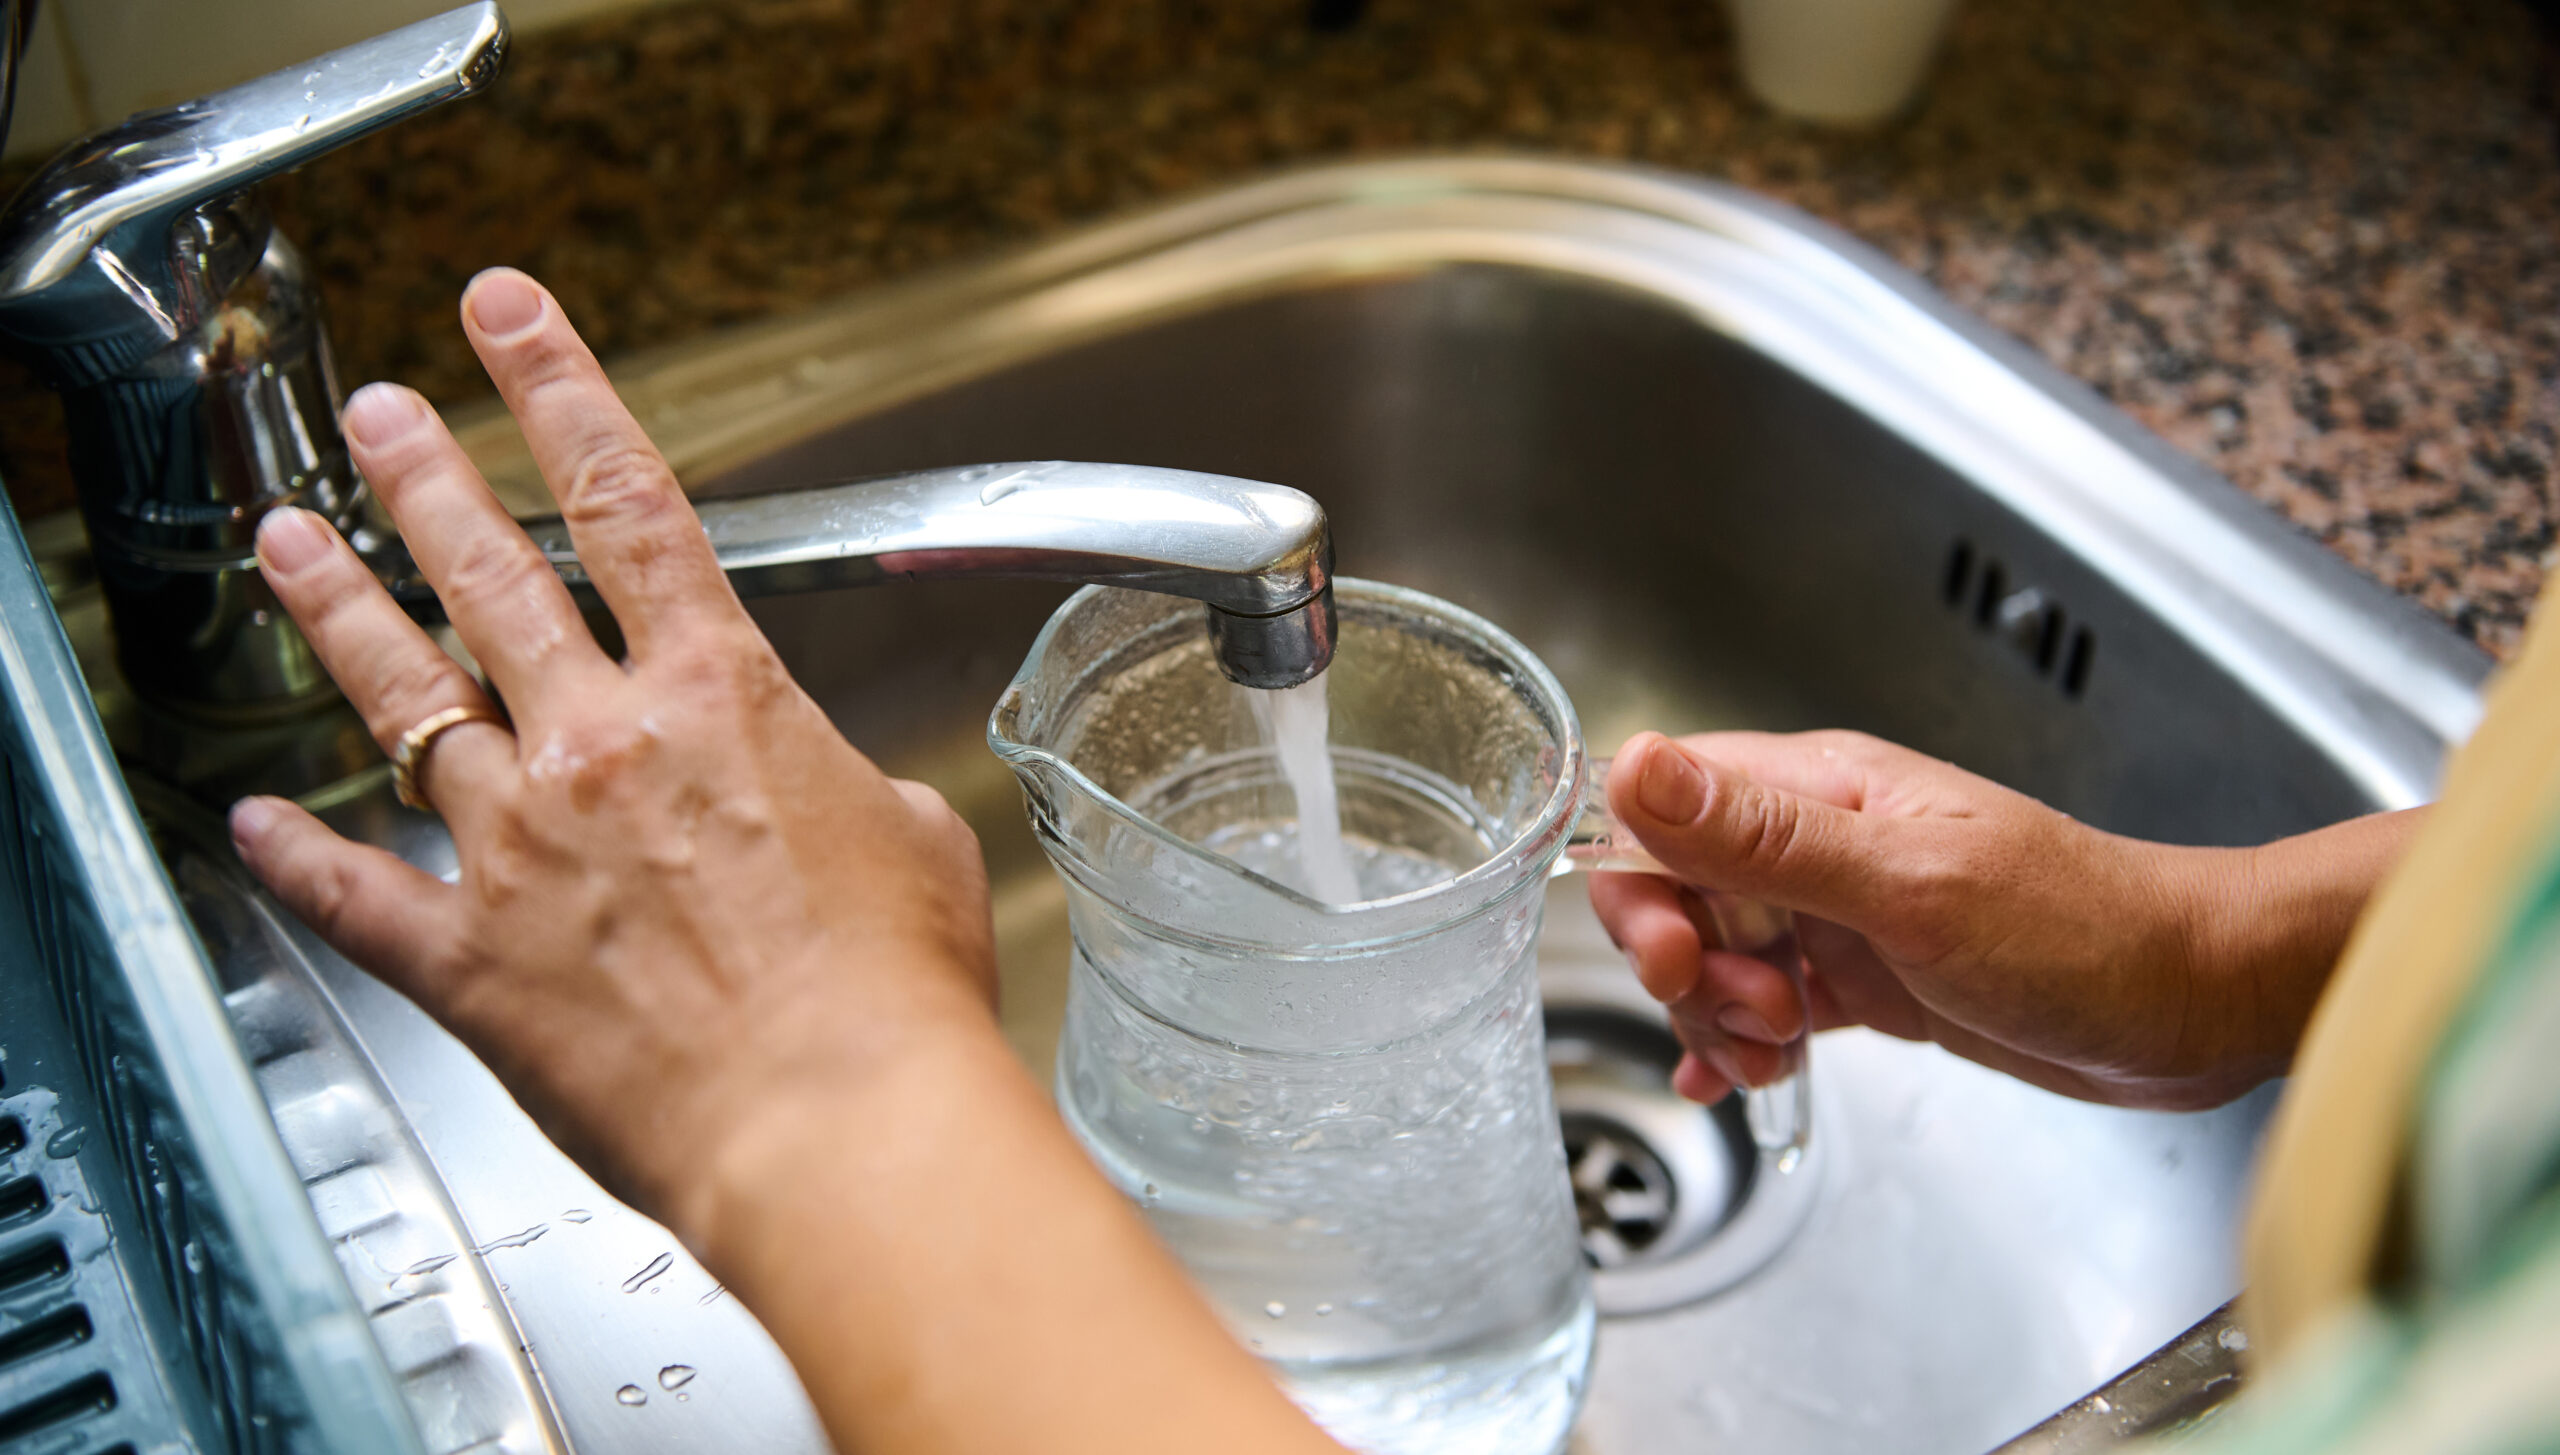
(410, 754)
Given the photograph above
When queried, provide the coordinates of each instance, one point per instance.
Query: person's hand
(737, 971)
(1936, 905)
(682, 892)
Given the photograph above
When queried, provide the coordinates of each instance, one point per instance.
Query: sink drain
(1676, 1200)
(1621, 1191)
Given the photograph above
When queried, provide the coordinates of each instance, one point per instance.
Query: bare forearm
(949, 1274)
(2276, 919)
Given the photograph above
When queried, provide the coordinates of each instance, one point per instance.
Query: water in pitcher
(1358, 1216)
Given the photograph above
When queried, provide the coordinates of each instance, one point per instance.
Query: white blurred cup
(1849, 62)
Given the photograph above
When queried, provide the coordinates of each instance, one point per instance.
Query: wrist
(2267, 926)
(820, 1092)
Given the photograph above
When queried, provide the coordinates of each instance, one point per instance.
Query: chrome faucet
(1259, 556)
(142, 277)
(145, 282)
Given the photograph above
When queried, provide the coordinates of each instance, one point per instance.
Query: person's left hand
(682, 892)
(741, 974)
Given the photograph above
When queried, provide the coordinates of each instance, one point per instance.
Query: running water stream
(1293, 722)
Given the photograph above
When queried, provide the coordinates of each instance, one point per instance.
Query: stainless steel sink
(1720, 467)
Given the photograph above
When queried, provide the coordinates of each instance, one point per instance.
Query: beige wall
(97, 61)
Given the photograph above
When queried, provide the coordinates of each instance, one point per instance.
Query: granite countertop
(2316, 243)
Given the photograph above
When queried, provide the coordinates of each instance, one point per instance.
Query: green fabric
(2477, 1375)
(2488, 1145)
(2466, 1359)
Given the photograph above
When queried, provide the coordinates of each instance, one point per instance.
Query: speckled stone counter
(2314, 242)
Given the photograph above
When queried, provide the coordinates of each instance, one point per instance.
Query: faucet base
(311, 747)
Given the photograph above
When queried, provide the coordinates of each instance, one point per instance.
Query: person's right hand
(1936, 905)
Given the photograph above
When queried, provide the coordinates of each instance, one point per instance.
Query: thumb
(1717, 827)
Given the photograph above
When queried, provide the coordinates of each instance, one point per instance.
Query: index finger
(637, 535)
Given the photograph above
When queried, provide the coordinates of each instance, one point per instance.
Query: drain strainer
(1676, 1200)
(1621, 1191)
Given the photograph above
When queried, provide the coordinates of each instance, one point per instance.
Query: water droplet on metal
(713, 1296)
(425, 1266)
(1324, 1310)
(656, 1269)
(577, 1215)
(1276, 1309)
(675, 1376)
(631, 1394)
(514, 1240)
(66, 1143)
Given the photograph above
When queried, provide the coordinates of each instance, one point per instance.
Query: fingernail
(1741, 1020)
(1672, 789)
(291, 538)
(503, 303)
(381, 413)
(250, 820)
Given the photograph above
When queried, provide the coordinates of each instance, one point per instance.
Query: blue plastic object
(164, 1285)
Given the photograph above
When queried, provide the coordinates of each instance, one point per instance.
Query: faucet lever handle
(102, 218)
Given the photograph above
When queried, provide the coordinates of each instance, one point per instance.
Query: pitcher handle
(1780, 1114)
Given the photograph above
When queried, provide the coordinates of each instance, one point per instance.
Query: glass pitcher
(1338, 1115)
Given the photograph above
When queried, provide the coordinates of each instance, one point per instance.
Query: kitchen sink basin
(1720, 467)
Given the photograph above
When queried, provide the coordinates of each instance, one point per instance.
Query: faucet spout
(1258, 556)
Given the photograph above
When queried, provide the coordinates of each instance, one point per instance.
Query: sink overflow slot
(2054, 646)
